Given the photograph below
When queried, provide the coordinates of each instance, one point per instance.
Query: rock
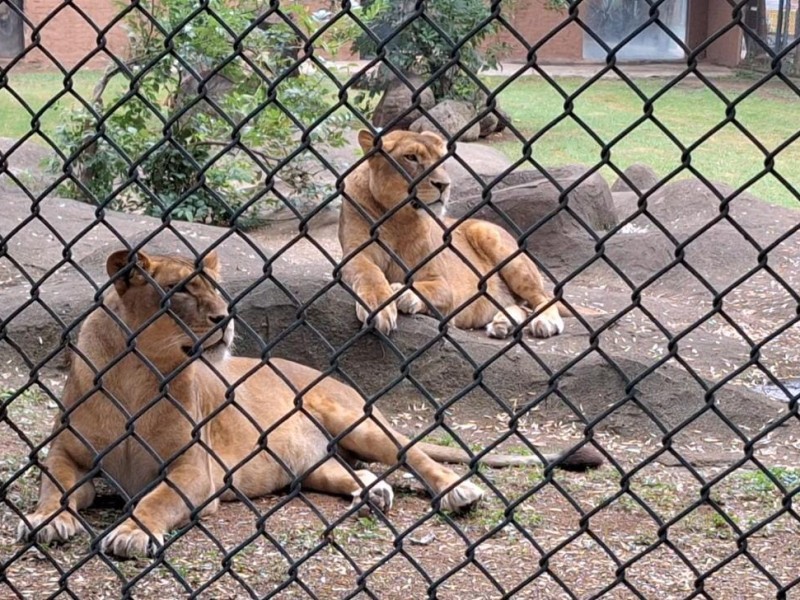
(488, 124)
(523, 199)
(641, 176)
(494, 122)
(451, 116)
(397, 101)
(487, 162)
(503, 120)
(22, 165)
(297, 284)
(685, 206)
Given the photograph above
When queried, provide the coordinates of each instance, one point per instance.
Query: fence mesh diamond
(305, 174)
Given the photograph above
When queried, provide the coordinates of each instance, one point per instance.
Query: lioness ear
(366, 140)
(211, 264)
(117, 261)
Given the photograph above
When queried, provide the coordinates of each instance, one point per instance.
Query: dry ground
(638, 527)
(630, 529)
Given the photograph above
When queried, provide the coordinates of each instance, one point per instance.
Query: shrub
(205, 117)
(421, 49)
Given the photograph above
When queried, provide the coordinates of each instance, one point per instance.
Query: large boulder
(488, 124)
(642, 177)
(472, 159)
(398, 101)
(288, 304)
(495, 120)
(503, 121)
(524, 201)
(452, 116)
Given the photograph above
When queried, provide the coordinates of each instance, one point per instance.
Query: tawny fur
(444, 281)
(198, 317)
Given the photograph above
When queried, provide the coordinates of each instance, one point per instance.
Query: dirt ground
(636, 527)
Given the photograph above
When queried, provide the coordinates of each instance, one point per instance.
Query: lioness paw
(381, 494)
(128, 540)
(385, 321)
(547, 324)
(59, 529)
(498, 328)
(464, 497)
(408, 302)
(504, 322)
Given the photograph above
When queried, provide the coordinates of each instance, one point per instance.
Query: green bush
(422, 50)
(145, 144)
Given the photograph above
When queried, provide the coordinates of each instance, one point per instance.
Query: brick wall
(534, 22)
(68, 36)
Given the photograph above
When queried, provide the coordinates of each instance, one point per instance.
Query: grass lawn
(688, 111)
(608, 107)
(37, 90)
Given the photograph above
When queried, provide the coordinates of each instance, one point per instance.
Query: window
(10, 28)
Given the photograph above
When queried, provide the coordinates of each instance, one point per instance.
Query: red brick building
(54, 30)
(692, 21)
(65, 34)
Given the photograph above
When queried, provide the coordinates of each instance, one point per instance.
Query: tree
(204, 119)
(427, 42)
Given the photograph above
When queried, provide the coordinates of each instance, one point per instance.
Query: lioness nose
(441, 185)
(216, 319)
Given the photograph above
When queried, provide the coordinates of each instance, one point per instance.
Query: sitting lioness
(138, 403)
(407, 265)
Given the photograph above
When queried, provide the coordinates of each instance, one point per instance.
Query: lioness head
(196, 315)
(394, 181)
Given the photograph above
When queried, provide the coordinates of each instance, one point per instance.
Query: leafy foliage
(197, 131)
(429, 45)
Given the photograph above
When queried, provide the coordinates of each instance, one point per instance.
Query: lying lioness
(408, 244)
(136, 403)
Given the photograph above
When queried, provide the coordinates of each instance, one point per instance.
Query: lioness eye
(411, 157)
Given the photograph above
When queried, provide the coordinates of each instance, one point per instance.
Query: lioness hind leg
(375, 443)
(520, 274)
(333, 478)
(505, 320)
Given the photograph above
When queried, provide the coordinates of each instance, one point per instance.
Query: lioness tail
(585, 457)
(584, 311)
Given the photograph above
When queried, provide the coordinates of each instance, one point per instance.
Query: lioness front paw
(504, 321)
(129, 540)
(408, 302)
(462, 498)
(547, 324)
(60, 528)
(385, 321)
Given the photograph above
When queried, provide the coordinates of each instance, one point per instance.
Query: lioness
(136, 404)
(409, 245)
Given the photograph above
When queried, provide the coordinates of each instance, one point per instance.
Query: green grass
(37, 90)
(761, 483)
(688, 111)
(608, 107)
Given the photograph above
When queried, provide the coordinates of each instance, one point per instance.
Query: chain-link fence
(587, 392)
